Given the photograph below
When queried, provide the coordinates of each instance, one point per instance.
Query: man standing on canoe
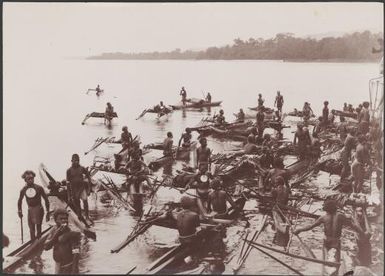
(279, 101)
(65, 244)
(109, 114)
(125, 138)
(203, 156)
(33, 194)
(98, 91)
(78, 188)
(363, 119)
(208, 97)
(260, 100)
(167, 145)
(183, 93)
(260, 123)
(325, 114)
(333, 223)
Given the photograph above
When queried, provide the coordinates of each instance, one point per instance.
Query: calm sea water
(45, 102)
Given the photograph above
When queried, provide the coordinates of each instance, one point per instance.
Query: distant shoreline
(278, 60)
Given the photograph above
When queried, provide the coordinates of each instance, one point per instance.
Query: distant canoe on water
(199, 104)
(97, 115)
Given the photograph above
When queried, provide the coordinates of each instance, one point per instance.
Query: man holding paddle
(33, 194)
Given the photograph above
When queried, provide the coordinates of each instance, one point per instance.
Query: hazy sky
(82, 29)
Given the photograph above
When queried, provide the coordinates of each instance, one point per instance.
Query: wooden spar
(131, 270)
(314, 260)
(304, 246)
(291, 237)
(248, 249)
(85, 119)
(116, 195)
(96, 145)
(142, 114)
(277, 260)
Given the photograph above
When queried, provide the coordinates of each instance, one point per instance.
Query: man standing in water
(304, 141)
(183, 93)
(325, 114)
(167, 145)
(33, 194)
(279, 101)
(78, 188)
(109, 114)
(260, 122)
(203, 156)
(65, 243)
(333, 223)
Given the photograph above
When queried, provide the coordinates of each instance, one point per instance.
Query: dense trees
(284, 46)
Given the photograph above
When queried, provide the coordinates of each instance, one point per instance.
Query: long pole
(21, 228)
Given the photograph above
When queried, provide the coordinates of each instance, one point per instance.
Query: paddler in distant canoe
(333, 223)
(183, 93)
(240, 116)
(203, 156)
(65, 244)
(208, 97)
(33, 194)
(98, 91)
(109, 114)
(220, 118)
(260, 100)
(186, 138)
(79, 189)
(307, 112)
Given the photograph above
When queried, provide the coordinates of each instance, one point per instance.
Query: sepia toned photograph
(193, 138)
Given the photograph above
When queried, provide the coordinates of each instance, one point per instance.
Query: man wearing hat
(79, 188)
(33, 194)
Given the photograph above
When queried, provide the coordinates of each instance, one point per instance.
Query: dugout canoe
(56, 201)
(25, 251)
(97, 115)
(196, 105)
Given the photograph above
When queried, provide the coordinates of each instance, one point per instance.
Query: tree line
(358, 46)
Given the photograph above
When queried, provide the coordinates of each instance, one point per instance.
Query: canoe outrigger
(97, 115)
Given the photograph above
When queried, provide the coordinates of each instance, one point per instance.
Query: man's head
(267, 137)
(186, 202)
(300, 126)
(366, 104)
(278, 93)
(203, 141)
(326, 103)
(221, 112)
(361, 139)
(125, 128)
(330, 206)
(279, 181)
(241, 110)
(260, 95)
(216, 183)
(188, 130)
(61, 217)
(169, 134)
(251, 138)
(28, 176)
(75, 159)
(161, 102)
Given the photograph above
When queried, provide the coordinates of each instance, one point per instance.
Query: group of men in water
(206, 204)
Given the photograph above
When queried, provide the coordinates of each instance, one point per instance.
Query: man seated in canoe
(333, 223)
(250, 146)
(217, 200)
(183, 93)
(98, 90)
(33, 194)
(109, 113)
(65, 244)
(307, 112)
(203, 156)
(161, 109)
(79, 184)
(220, 119)
(240, 116)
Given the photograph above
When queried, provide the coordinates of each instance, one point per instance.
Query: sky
(84, 29)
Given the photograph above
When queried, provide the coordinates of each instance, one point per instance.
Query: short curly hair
(28, 172)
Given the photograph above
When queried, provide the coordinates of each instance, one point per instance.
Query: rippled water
(45, 102)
